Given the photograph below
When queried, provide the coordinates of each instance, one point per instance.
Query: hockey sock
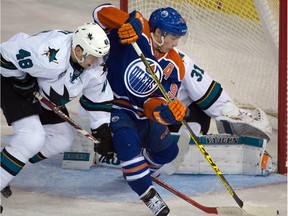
(137, 174)
(37, 157)
(10, 166)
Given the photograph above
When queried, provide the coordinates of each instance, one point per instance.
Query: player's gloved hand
(132, 29)
(171, 113)
(105, 147)
(25, 87)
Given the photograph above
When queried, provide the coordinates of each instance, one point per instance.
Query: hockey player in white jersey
(205, 99)
(61, 65)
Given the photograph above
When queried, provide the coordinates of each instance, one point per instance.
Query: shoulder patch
(176, 57)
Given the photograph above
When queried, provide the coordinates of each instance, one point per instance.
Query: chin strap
(78, 60)
(158, 44)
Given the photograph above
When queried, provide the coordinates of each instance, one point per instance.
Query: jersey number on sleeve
(197, 72)
(24, 62)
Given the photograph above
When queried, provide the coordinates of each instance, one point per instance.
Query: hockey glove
(25, 87)
(171, 113)
(131, 30)
(244, 123)
(105, 147)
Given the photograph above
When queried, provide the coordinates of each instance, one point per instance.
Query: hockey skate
(153, 200)
(6, 192)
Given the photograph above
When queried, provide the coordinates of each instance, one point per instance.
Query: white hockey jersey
(47, 57)
(197, 86)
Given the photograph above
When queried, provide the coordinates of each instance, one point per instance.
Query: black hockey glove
(25, 87)
(105, 147)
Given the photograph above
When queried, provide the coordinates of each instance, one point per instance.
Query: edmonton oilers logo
(138, 80)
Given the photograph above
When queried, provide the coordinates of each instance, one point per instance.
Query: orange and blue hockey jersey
(134, 88)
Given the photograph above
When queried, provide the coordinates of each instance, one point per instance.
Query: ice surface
(107, 184)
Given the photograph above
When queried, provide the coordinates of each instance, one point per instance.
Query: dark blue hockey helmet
(168, 20)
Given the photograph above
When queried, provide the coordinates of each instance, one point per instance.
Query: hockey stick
(253, 210)
(229, 210)
(56, 110)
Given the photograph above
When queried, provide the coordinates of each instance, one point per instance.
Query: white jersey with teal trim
(197, 86)
(47, 57)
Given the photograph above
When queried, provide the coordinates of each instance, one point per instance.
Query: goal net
(227, 39)
(235, 42)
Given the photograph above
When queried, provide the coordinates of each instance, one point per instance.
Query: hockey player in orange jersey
(140, 114)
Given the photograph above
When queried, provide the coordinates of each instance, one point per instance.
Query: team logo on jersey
(115, 118)
(56, 98)
(138, 80)
(51, 54)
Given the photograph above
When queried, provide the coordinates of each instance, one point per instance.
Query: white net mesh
(234, 43)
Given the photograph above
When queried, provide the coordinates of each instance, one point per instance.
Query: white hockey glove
(242, 123)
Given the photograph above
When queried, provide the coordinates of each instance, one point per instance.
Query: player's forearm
(109, 16)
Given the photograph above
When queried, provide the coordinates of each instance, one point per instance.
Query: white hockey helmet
(92, 39)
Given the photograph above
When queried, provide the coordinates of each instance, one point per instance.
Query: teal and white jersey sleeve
(97, 96)
(197, 86)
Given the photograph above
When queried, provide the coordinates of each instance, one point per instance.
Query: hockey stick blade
(260, 210)
(225, 210)
(229, 210)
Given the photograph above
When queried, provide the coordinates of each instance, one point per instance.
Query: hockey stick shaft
(56, 110)
(191, 133)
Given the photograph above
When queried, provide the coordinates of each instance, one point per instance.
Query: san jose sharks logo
(138, 80)
(56, 98)
(90, 36)
(51, 54)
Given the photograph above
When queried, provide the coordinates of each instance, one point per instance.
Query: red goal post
(268, 65)
(282, 89)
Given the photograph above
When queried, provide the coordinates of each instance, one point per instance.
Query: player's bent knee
(60, 138)
(167, 155)
(62, 134)
(126, 143)
(29, 136)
